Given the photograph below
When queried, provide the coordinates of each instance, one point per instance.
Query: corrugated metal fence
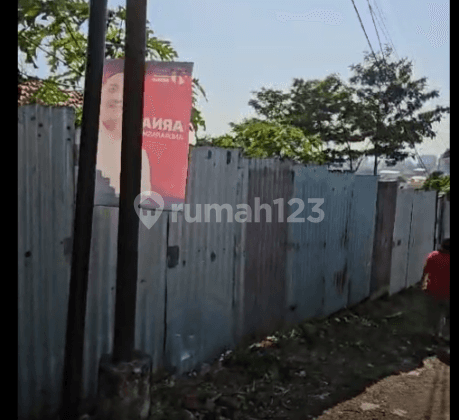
(413, 237)
(45, 212)
(443, 220)
(382, 247)
(202, 285)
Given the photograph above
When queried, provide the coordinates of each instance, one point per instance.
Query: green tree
(272, 104)
(381, 104)
(263, 139)
(56, 28)
(392, 102)
(326, 108)
(437, 182)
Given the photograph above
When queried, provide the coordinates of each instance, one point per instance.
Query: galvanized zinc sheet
(240, 253)
(151, 289)
(446, 219)
(266, 239)
(201, 285)
(361, 237)
(337, 207)
(45, 217)
(100, 312)
(100, 304)
(400, 242)
(305, 248)
(201, 279)
(442, 229)
(422, 234)
(382, 249)
(319, 274)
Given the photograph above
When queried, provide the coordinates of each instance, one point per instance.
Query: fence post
(124, 377)
(438, 220)
(131, 153)
(73, 359)
(384, 229)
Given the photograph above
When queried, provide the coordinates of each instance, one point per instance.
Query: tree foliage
(57, 29)
(393, 114)
(263, 139)
(381, 104)
(438, 182)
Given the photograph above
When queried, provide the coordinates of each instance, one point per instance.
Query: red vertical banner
(166, 130)
(166, 127)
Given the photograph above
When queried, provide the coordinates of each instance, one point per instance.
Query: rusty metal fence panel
(201, 280)
(337, 207)
(318, 272)
(442, 229)
(201, 286)
(266, 239)
(422, 234)
(45, 218)
(361, 237)
(384, 229)
(401, 236)
(446, 219)
(305, 248)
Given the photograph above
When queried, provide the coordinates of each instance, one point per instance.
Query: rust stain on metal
(68, 243)
(266, 247)
(340, 279)
(172, 256)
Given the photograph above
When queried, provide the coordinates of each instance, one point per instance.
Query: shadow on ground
(301, 372)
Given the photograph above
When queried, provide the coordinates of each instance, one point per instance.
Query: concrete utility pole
(73, 359)
(131, 159)
(124, 377)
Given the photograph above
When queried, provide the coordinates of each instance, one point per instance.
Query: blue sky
(238, 46)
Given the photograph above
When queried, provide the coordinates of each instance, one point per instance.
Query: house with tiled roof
(27, 89)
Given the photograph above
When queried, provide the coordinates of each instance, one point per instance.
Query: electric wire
(377, 63)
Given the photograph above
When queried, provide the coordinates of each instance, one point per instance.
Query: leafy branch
(55, 28)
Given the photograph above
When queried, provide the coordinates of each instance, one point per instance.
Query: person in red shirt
(436, 280)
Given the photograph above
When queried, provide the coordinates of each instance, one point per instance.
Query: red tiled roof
(27, 89)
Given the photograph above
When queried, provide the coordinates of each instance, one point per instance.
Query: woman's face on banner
(111, 109)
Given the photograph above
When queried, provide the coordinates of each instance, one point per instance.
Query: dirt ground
(374, 361)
